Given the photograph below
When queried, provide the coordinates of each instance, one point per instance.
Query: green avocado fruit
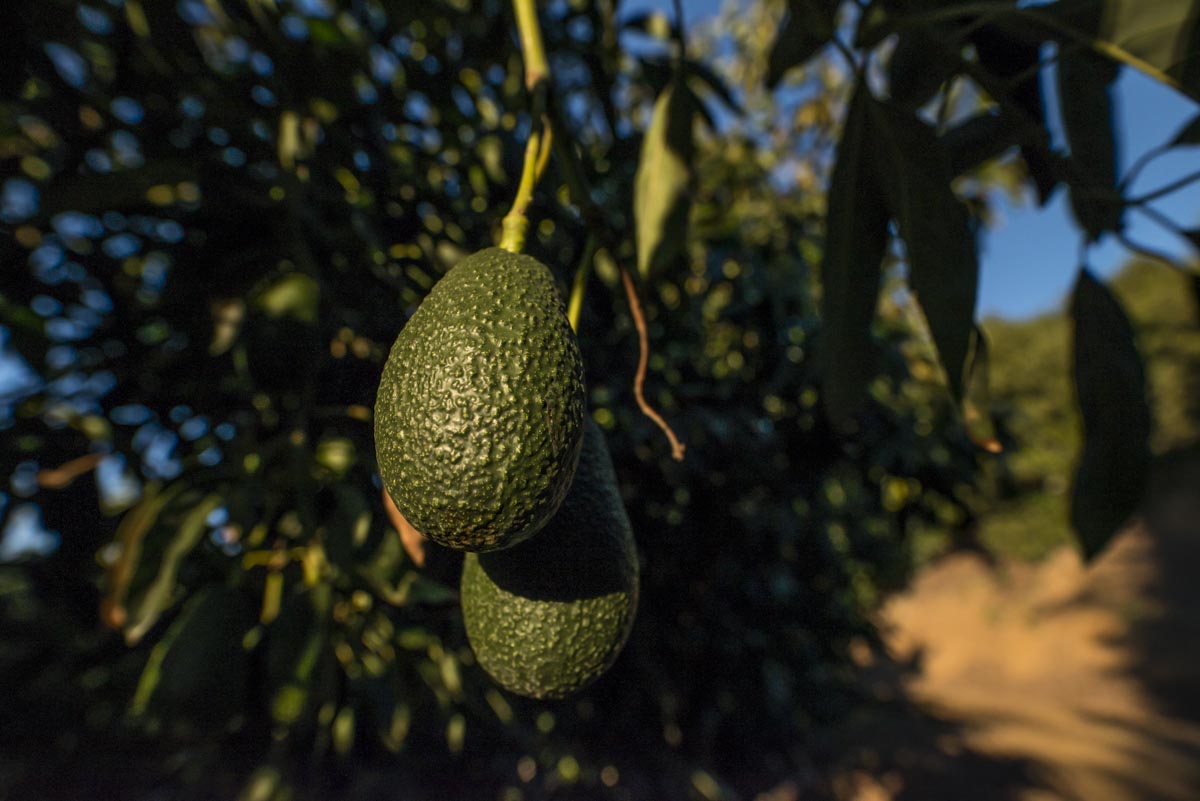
(550, 616)
(479, 416)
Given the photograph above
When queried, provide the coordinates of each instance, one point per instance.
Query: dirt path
(1047, 681)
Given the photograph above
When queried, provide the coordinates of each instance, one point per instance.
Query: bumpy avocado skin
(550, 616)
(479, 416)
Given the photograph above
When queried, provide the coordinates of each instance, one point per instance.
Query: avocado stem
(537, 149)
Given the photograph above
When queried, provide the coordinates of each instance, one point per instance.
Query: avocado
(479, 416)
(548, 617)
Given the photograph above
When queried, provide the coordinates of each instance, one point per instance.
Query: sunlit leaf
(937, 232)
(662, 187)
(855, 240)
(294, 295)
(160, 594)
(1110, 384)
(1163, 34)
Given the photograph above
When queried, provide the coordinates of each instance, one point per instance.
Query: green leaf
(807, 29)
(292, 295)
(1084, 81)
(1189, 134)
(920, 65)
(979, 139)
(297, 654)
(936, 229)
(1011, 53)
(1110, 384)
(855, 241)
(662, 186)
(199, 669)
(1163, 34)
(977, 395)
(160, 593)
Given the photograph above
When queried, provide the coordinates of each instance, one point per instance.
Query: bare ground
(1037, 682)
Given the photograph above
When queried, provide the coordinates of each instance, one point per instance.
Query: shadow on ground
(1035, 682)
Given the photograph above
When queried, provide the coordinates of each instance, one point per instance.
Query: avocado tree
(219, 214)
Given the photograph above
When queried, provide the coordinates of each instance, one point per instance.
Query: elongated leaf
(937, 232)
(1163, 34)
(1011, 54)
(855, 241)
(1110, 384)
(807, 29)
(199, 668)
(977, 395)
(296, 651)
(662, 187)
(160, 594)
(1084, 82)
(921, 63)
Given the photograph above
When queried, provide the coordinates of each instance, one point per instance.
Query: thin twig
(1150, 253)
(537, 149)
(1163, 191)
(639, 321)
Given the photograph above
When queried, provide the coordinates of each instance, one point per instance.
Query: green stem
(537, 66)
(537, 149)
(579, 285)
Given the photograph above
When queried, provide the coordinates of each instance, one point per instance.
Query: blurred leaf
(855, 240)
(199, 668)
(1110, 384)
(714, 82)
(343, 730)
(979, 139)
(1011, 54)
(1164, 34)
(1084, 81)
(130, 534)
(294, 295)
(977, 396)
(937, 232)
(662, 186)
(921, 63)
(125, 189)
(651, 23)
(145, 610)
(807, 28)
(296, 650)
(1189, 134)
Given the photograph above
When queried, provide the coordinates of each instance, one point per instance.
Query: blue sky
(1030, 258)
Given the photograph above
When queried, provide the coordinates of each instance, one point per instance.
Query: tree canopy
(218, 214)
